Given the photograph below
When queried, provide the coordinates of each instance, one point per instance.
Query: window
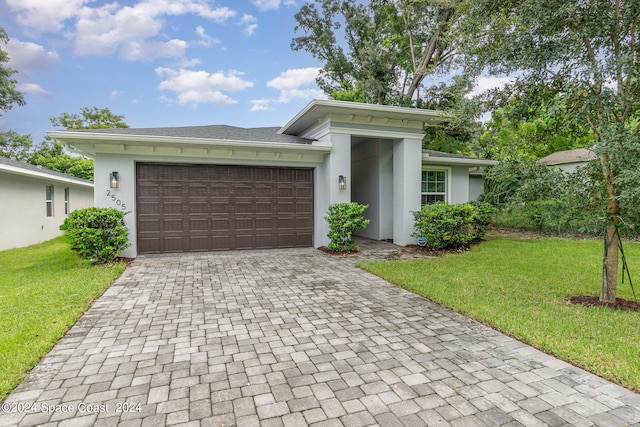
(49, 200)
(66, 201)
(434, 186)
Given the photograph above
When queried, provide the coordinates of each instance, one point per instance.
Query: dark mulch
(326, 250)
(127, 261)
(594, 301)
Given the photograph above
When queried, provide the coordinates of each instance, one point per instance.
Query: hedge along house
(36, 202)
(205, 188)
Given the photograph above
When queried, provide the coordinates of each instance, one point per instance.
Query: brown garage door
(187, 208)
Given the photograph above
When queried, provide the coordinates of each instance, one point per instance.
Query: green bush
(444, 226)
(344, 219)
(97, 234)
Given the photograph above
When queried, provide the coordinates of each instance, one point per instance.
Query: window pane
(440, 187)
(431, 187)
(49, 190)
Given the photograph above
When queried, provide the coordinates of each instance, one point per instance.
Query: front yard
(521, 287)
(44, 289)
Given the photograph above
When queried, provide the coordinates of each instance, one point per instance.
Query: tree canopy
(9, 95)
(89, 118)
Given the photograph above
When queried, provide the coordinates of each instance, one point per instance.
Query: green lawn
(521, 286)
(44, 288)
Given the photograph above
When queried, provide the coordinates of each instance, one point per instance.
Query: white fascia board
(426, 159)
(88, 138)
(44, 175)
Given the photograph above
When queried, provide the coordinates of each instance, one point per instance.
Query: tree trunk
(610, 265)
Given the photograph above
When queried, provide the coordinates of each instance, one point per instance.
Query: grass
(44, 289)
(521, 287)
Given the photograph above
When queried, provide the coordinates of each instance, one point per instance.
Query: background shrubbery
(97, 234)
(444, 226)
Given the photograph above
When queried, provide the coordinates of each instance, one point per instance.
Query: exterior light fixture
(113, 177)
(342, 182)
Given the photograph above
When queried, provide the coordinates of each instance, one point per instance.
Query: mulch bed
(127, 261)
(594, 301)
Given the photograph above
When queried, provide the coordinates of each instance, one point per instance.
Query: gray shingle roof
(33, 168)
(433, 153)
(569, 156)
(220, 132)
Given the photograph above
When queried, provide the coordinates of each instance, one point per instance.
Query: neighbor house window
(66, 201)
(434, 186)
(49, 200)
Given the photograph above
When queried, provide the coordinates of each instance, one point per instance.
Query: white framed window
(66, 201)
(435, 185)
(49, 200)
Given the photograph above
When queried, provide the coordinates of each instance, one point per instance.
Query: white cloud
(250, 24)
(27, 56)
(205, 39)
(486, 83)
(33, 89)
(135, 51)
(45, 16)
(116, 94)
(260, 105)
(296, 84)
(195, 87)
(265, 5)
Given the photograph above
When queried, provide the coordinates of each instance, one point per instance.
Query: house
(203, 188)
(36, 201)
(569, 160)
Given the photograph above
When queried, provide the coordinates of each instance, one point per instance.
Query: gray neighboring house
(568, 160)
(204, 188)
(36, 201)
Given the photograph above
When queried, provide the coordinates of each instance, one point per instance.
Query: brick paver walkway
(295, 338)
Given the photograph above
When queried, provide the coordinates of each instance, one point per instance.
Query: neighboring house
(36, 201)
(203, 188)
(569, 160)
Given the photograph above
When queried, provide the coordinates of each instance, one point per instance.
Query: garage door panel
(222, 207)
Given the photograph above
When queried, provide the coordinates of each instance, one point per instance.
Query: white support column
(336, 163)
(407, 176)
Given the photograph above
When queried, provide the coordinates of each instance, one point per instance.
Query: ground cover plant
(44, 289)
(522, 286)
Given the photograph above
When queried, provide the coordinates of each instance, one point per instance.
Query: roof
(579, 155)
(432, 156)
(214, 132)
(319, 109)
(27, 169)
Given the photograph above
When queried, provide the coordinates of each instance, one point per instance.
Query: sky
(157, 62)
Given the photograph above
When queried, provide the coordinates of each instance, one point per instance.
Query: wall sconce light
(113, 177)
(342, 182)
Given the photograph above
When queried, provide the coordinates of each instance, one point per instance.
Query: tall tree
(586, 51)
(9, 95)
(15, 146)
(378, 51)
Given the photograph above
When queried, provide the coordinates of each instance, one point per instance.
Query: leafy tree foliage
(89, 118)
(9, 95)
(15, 146)
(586, 52)
(52, 156)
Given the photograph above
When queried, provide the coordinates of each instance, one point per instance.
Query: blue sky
(158, 62)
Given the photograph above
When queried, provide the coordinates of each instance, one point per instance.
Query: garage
(198, 207)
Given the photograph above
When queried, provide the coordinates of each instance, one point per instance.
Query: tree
(586, 52)
(89, 118)
(391, 45)
(9, 95)
(53, 157)
(15, 146)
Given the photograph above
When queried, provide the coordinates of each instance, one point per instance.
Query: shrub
(443, 225)
(344, 219)
(98, 234)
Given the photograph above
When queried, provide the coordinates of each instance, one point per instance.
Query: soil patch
(594, 301)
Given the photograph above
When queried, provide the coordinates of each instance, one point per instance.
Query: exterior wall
(407, 180)
(372, 176)
(476, 187)
(23, 217)
(124, 197)
(459, 185)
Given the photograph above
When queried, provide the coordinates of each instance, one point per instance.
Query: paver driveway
(295, 338)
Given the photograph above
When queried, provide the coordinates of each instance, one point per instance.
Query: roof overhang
(93, 143)
(319, 110)
(15, 170)
(458, 161)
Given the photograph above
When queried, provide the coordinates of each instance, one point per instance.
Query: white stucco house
(203, 188)
(36, 202)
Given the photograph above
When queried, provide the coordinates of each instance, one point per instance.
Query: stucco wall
(476, 187)
(23, 216)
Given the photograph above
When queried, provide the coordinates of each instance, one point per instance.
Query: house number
(117, 201)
